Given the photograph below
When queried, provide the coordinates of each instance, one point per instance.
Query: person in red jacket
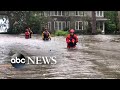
(27, 34)
(71, 39)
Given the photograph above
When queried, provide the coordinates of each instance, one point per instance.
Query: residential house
(78, 20)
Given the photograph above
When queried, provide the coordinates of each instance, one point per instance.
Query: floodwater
(95, 57)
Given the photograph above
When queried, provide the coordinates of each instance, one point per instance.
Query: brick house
(78, 20)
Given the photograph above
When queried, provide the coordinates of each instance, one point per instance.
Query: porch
(100, 24)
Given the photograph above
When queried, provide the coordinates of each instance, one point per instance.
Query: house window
(99, 13)
(56, 13)
(59, 25)
(64, 25)
(59, 13)
(49, 25)
(70, 13)
(68, 24)
(48, 13)
(67, 13)
(78, 13)
(63, 13)
(55, 25)
(42, 13)
(79, 25)
(52, 13)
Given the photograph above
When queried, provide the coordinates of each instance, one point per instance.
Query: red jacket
(27, 33)
(70, 38)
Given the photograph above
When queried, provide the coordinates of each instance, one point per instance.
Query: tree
(112, 24)
(118, 20)
(37, 20)
(93, 22)
(19, 20)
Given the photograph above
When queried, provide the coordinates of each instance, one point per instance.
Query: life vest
(46, 34)
(73, 38)
(27, 35)
(71, 41)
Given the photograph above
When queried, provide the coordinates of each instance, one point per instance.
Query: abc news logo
(35, 60)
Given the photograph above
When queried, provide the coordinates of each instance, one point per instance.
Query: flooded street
(96, 57)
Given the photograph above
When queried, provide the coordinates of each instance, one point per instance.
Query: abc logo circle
(18, 60)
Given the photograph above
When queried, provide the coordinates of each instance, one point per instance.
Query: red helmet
(72, 31)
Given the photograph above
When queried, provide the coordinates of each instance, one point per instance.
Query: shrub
(110, 28)
(61, 33)
(81, 32)
(99, 31)
(16, 30)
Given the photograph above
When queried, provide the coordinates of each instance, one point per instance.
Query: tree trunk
(93, 22)
(119, 20)
(116, 22)
(83, 20)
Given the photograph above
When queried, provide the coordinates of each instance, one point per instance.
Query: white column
(103, 13)
(103, 31)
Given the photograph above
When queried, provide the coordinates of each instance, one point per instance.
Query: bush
(83, 32)
(110, 28)
(34, 23)
(99, 31)
(16, 30)
(61, 33)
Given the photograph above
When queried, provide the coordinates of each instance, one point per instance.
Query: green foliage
(33, 19)
(61, 33)
(110, 28)
(16, 30)
(112, 24)
(84, 32)
(112, 15)
(34, 23)
(17, 21)
(99, 31)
